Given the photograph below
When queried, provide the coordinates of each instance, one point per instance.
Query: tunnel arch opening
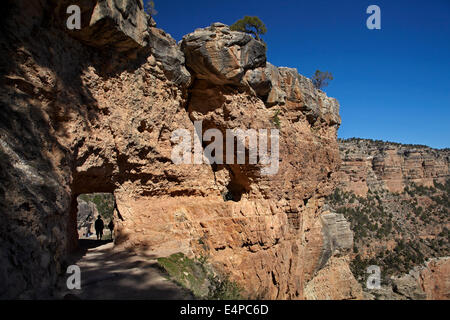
(86, 209)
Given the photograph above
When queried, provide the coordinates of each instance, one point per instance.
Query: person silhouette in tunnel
(99, 225)
(111, 227)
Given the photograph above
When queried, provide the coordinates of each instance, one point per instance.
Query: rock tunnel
(106, 107)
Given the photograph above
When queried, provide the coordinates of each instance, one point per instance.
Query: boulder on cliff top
(222, 56)
(118, 24)
(123, 27)
(266, 81)
(166, 50)
(281, 86)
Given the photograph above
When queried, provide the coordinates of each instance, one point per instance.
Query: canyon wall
(375, 165)
(397, 200)
(94, 111)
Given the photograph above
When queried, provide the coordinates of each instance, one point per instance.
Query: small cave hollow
(233, 192)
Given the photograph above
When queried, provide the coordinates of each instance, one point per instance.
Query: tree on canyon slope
(320, 79)
(250, 25)
(150, 8)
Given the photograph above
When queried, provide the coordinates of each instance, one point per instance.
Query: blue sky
(393, 84)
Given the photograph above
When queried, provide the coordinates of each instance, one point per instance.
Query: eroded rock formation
(94, 111)
(430, 281)
(375, 165)
(396, 198)
(334, 281)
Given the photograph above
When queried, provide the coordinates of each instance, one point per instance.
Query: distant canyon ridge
(376, 165)
(397, 200)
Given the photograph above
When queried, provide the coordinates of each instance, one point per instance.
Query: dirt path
(107, 273)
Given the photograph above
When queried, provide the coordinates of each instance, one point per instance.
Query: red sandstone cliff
(375, 165)
(93, 111)
(396, 198)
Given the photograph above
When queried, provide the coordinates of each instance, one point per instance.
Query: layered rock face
(260, 237)
(337, 236)
(95, 110)
(334, 282)
(333, 278)
(375, 165)
(396, 198)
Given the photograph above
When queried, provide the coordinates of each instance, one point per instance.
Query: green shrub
(320, 79)
(223, 289)
(199, 277)
(250, 25)
(276, 119)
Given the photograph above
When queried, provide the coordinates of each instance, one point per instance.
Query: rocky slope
(86, 215)
(397, 199)
(94, 110)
